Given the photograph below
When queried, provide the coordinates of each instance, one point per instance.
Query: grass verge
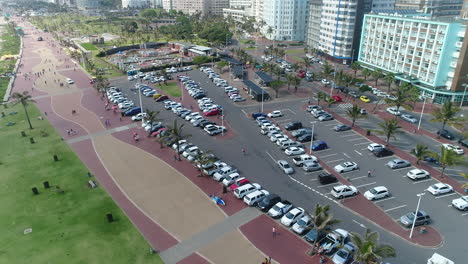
(67, 227)
(172, 89)
(88, 46)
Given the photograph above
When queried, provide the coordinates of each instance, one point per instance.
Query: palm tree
(405, 94)
(389, 79)
(446, 114)
(176, 132)
(368, 251)
(277, 71)
(420, 152)
(295, 67)
(24, 99)
(296, 82)
(448, 158)
(202, 159)
(464, 175)
(366, 73)
(321, 96)
(270, 31)
(389, 128)
(377, 74)
(322, 219)
(354, 113)
(280, 53)
(327, 69)
(290, 80)
(347, 79)
(329, 100)
(356, 66)
(306, 62)
(276, 85)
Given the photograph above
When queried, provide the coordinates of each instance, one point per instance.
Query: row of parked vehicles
(231, 92)
(115, 96)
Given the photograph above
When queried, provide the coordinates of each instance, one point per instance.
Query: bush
(101, 54)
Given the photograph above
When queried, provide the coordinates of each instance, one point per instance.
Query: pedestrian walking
(68, 131)
(369, 173)
(274, 232)
(243, 151)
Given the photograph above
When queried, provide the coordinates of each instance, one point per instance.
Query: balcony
(450, 74)
(453, 64)
(456, 54)
(458, 44)
(461, 34)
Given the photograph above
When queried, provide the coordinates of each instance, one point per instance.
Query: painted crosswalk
(344, 106)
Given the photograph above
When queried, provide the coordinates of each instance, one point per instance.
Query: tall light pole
(422, 112)
(420, 195)
(141, 106)
(222, 123)
(463, 97)
(312, 138)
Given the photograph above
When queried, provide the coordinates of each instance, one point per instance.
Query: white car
(302, 224)
(292, 216)
(279, 136)
(456, 149)
(346, 166)
(284, 165)
(417, 174)
(461, 203)
(70, 81)
(376, 193)
(139, 116)
(274, 114)
(440, 188)
(342, 191)
(393, 111)
(293, 151)
(374, 146)
(325, 81)
(130, 78)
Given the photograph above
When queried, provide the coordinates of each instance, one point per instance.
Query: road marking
(288, 110)
(465, 214)
(244, 112)
(347, 155)
(313, 179)
(329, 125)
(367, 184)
(422, 181)
(270, 156)
(328, 155)
(394, 208)
(331, 161)
(354, 139)
(358, 152)
(331, 184)
(360, 177)
(454, 169)
(350, 135)
(386, 199)
(442, 196)
(385, 157)
(403, 169)
(362, 144)
(361, 225)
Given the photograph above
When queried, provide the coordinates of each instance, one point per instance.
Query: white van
(223, 172)
(230, 179)
(246, 189)
(254, 197)
(287, 144)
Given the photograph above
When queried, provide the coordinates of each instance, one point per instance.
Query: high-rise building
(215, 7)
(190, 7)
(383, 4)
(87, 4)
(285, 19)
(430, 54)
(313, 28)
(464, 11)
(238, 9)
(134, 3)
(167, 5)
(439, 8)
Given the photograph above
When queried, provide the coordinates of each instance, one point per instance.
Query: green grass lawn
(4, 81)
(88, 46)
(171, 89)
(292, 51)
(10, 41)
(69, 227)
(299, 59)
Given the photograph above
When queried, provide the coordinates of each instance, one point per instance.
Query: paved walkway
(164, 198)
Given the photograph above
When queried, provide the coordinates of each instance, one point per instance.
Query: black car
(326, 178)
(199, 96)
(293, 125)
(446, 134)
(305, 138)
(382, 152)
(463, 142)
(269, 201)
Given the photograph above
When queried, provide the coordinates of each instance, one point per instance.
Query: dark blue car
(133, 111)
(258, 114)
(319, 145)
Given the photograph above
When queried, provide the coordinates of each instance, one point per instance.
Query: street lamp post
(141, 107)
(420, 195)
(422, 112)
(312, 137)
(222, 123)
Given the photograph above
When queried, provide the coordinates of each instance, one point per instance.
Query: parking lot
(302, 188)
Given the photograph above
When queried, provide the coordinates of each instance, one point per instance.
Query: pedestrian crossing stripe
(345, 106)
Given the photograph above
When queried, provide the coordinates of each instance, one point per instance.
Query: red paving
(193, 259)
(286, 247)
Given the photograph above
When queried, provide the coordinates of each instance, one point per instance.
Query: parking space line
(386, 199)
(394, 208)
(328, 155)
(367, 184)
(331, 184)
(331, 161)
(422, 181)
(410, 168)
(449, 194)
(465, 214)
(386, 157)
(360, 177)
(350, 135)
(270, 156)
(354, 139)
(288, 110)
(454, 170)
(313, 179)
(358, 152)
(329, 125)
(347, 155)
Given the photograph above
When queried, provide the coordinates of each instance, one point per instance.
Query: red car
(337, 98)
(212, 112)
(239, 182)
(156, 133)
(301, 74)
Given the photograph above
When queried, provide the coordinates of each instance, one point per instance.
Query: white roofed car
(302, 224)
(275, 113)
(284, 165)
(461, 203)
(417, 174)
(292, 151)
(456, 149)
(342, 191)
(292, 216)
(376, 193)
(346, 166)
(440, 188)
(374, 146)
(70, 81)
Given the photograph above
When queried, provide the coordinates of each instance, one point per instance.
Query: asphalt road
(259, 166)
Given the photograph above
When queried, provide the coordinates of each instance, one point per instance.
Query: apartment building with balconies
(288, 19)
(428, 53)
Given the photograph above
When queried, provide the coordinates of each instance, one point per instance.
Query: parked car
(440, 188)
(334, 240)
(319, 145)
(268, 201)
(292, 216)
(383, 152)
(374, 146)
(417, 174)
(162, 98)
(393, 111)
(344, 255)
(454, 148)
(299, 161)
(279, 209)
(294, 151)
(463, 142)
(409, 118)
(275, 113)
(238, 183)
(376, 193)
(398, 163)
(293, 125)
(446, 134)
(257, 115)
(326, 117)
(422, 218)
(364, 98)
(305, 138)
(132, 111)
(311, 166)
(284, 165)
(337, 98)
(341, 127)
(342, 191)
(346, 166)
(303, 224)
(326, 178)
(461, 203)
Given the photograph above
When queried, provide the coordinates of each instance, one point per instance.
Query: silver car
(284, 165)
(309, 166)
(398, 163)
(409, 118)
